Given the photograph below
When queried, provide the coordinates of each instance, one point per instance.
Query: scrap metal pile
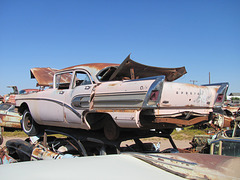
(77, 143)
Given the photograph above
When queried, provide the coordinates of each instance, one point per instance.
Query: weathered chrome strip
(158, 82)
(57, 102)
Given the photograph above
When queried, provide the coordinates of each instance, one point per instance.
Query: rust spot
(44, 76)
(97, 66)
(112, 84)
(180, 121)
(10, 121)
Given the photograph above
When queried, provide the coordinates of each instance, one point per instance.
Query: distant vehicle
(113, 97)
(1, 99)
(9, 117)
(10, 98)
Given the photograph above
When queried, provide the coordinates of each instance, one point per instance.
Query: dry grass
(17, 133)
(187, 133)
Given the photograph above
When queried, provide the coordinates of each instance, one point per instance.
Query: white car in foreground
(127, 166)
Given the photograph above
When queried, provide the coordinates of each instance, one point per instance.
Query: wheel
(30, 127)
(2, 129)
(19, 149)
(111, 130)
(1, 139)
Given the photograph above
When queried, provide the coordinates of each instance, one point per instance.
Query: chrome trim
(221, 90)
(57, 102)
(158, 83)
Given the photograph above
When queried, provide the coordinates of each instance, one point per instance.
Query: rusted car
(227, 142)
(224, 142)
(113, 97)
(9, 116)
(10, 98)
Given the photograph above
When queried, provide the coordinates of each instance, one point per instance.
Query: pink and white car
(113, 97)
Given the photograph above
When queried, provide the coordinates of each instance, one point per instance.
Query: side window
(63, 80)
(81, 78)
(216, 148)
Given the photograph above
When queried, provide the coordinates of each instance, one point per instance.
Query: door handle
(61, 92)
(87, 87)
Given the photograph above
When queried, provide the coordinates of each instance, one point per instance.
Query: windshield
(4, 106)
(22, 92)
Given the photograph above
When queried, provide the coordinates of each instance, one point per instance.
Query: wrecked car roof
(127, 69)
(143, 71)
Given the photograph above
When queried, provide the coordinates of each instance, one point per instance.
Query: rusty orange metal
(181, 122)
(195, 166)
(44, 76)
(5, 158)
(143, 71)
(95, 66)
(42, 153)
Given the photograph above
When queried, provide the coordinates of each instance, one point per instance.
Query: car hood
(44, 76)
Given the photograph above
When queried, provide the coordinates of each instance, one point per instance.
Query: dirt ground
(164, 143)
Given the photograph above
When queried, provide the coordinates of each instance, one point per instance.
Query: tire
(111, 130)
(1, 139)
(19, 149)
(30, 127)
(2, 129)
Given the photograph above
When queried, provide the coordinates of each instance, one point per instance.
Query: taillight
(154, 95)
(219, 98)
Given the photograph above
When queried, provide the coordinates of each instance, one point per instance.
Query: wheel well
(22, 108)
(228, 113)
(97, 120)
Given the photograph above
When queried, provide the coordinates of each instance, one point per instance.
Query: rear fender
(221, 94)
(154, 93)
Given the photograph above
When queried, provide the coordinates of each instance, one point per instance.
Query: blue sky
(202, 35)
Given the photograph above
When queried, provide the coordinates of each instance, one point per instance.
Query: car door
(51, 105)
(78, 98)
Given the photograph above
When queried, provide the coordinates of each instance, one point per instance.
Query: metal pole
(209, 78)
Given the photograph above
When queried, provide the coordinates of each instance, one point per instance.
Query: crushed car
(80, 150)
(134, 165)
(113, 98)
(227, 142)
(224, 142)
(9, 116)
(10, 98)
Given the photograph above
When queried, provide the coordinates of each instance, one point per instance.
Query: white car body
(131, 95)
